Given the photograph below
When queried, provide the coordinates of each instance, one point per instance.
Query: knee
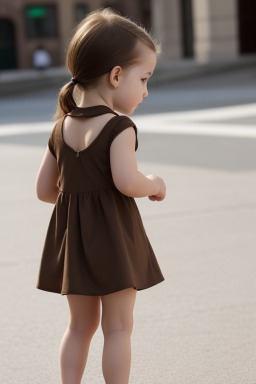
(88, 327)
(111, 324)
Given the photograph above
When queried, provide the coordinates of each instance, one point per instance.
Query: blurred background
(197, 131)
(195, 35)
(203, 30)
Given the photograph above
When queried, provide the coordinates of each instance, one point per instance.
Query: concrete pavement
(196, 327)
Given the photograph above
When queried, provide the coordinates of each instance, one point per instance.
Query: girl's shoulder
(54, 136)
(122, 122)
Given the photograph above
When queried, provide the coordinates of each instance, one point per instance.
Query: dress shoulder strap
(121, 123)
(52, 139)
(55, 136)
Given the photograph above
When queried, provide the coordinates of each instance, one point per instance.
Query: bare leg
(84, 321)
(117, 325)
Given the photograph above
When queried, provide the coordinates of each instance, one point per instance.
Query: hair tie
(74, 80)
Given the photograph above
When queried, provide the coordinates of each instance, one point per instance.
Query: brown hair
(102, 40)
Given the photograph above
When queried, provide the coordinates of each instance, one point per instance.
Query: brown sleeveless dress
(96, 243)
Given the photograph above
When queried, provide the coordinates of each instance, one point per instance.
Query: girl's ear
(114, 76)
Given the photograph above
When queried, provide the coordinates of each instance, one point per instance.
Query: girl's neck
(87, 100)
(87, 105)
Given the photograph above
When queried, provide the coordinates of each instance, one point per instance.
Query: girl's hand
(154, 198)
(162, 188)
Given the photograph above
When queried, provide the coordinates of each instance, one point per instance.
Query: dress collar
(94, 110)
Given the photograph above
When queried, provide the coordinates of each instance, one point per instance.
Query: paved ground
(196, 327)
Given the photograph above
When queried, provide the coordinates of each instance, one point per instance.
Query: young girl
(96, 249)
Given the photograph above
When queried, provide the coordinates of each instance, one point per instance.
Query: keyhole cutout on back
(79, 133)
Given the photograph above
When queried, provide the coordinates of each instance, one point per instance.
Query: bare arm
(141, 187)
(126, 176)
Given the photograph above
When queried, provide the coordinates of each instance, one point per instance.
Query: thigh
(84, 312)
(117, 310)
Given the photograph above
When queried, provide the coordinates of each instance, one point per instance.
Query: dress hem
(103, 294)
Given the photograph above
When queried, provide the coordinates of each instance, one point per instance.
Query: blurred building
(203, 30)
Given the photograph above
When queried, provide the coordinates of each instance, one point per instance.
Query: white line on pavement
(213, 114)
(200, 129)
(24, 128)
(185, 122)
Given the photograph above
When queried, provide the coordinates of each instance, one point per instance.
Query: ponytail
(66, 101)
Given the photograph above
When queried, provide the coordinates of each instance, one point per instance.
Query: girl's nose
(145, 94)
